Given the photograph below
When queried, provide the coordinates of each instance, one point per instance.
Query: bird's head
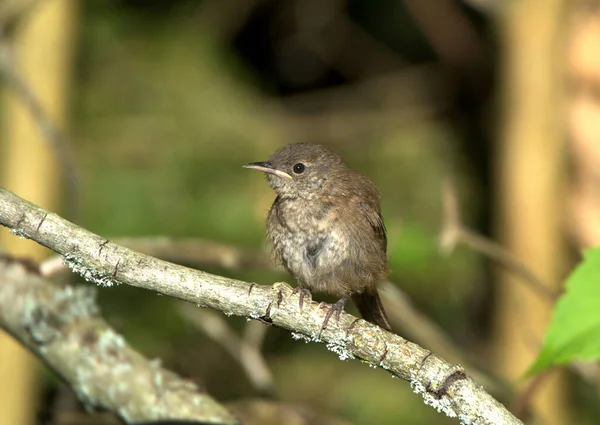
(301, 170)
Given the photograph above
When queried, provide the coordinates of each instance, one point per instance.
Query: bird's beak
(266, 167)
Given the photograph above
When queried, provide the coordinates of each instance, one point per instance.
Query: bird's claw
(303, 294)
(336, 308)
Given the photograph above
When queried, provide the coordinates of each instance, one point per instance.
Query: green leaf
(574, 332)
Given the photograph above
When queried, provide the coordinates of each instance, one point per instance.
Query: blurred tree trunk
(42, 50)
(583, 103)
(530, 164)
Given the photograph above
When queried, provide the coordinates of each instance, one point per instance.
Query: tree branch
(62, 326)
(247, 355)
(442, 385)
(455, 232)
(402, 313)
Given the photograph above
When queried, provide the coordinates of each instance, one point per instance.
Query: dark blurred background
(163, 101)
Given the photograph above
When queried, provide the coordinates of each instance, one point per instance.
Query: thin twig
(524, 401)
(487, 7)
(249, 357)
(454, 232)
(450, 34)
(49, 132)
(254, 335)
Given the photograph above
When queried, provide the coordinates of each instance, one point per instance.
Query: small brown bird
(325, 227)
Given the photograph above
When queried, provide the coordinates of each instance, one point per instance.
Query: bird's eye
(299, 168)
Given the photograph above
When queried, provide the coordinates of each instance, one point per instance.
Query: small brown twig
(245, 353)
(524, 400)
(254, 334)
(487, 7)
(450, 34)
(454, 232)
(50, 133)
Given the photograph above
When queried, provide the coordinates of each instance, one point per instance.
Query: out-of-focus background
(488, 108)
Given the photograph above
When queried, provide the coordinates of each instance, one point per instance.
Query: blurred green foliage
(574, 333)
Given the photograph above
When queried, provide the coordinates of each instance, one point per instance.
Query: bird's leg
(336, 309)
(303, 293)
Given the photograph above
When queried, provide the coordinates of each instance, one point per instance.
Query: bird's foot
(337, 308)
(303, 294)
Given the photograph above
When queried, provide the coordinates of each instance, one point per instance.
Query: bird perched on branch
(325, 227)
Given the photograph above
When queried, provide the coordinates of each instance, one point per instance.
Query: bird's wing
(373, 215)
(274, 227)
(366, 199)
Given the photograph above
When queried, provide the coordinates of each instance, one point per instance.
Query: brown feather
(371, 308)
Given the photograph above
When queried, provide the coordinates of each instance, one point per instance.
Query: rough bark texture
(442, 385)
(61, 324)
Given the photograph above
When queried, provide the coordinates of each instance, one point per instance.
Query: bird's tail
(370, 307)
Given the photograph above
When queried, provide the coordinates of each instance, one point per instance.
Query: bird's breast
(306, 220)
(307, 240)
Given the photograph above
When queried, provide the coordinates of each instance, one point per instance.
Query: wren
(325, 227)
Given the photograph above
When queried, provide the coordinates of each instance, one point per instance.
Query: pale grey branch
(62, 326)
(402, 313)
(442, 385)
